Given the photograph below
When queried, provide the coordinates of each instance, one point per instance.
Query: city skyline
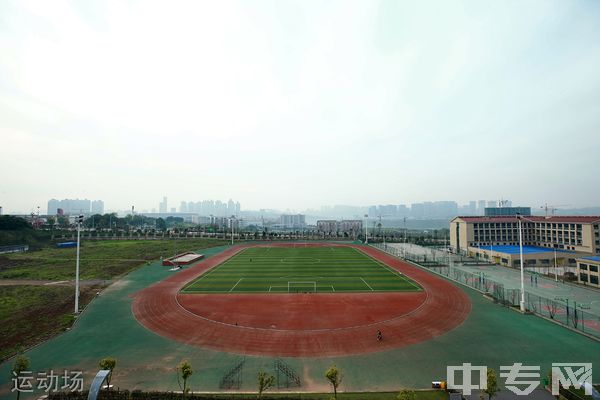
(426, 209)
(293, 105)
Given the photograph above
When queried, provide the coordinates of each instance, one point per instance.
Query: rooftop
(526, 249)
(577, 219)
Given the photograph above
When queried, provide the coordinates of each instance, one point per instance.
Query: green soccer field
(301, 269)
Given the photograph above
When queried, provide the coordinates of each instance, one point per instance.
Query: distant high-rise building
(472, 207)
(491, 203)
(500, 211)
(173, 210)
(53, 206)
(293, 221)
(481, 207)
(373, 211)
(417, 210)
(389, 210)
(97, 207)
(238, 208)
(403, 211)
(208, 207)
(183, 207)
(230, 207)
(70, 206)
(162, 206)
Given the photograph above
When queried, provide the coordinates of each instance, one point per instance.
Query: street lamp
(366, 229)
(522, 303)
(79, 221)
(555, 267)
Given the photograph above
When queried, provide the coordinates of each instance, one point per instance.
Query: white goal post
(303, 285)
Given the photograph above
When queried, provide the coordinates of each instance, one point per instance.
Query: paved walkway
(538, 394)
(31, 282)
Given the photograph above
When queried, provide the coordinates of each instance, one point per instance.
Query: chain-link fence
(561, 311)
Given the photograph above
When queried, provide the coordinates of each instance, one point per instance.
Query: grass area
(301, 269)
(34, 238)
(31, 314)
(98, 260)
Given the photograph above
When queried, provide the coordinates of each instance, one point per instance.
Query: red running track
(307, 325)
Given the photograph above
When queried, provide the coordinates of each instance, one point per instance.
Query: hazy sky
(284, 104)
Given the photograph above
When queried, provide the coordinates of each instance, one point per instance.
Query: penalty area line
(231, 290)
(367, 284)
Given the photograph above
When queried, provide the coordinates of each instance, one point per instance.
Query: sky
(297, 104)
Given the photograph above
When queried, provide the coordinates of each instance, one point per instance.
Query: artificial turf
(301, 269)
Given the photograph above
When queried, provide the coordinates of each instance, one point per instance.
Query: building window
(583, 266)
(583, 277)
(594, 279)
(593, 268)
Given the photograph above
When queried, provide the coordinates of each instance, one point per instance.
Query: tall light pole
(232, 218)
(79, 222)
(522, 303)
(555, 268)
(366, 229)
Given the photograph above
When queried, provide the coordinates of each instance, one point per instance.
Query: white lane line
(367, 284)
(231, 290)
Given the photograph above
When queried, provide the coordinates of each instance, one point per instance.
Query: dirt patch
(42, 321)
(6, 263)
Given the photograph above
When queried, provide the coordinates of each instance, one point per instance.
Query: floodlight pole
(522, 303)
(79, 218)
(555, 267)
(232, 230)
(366, 229)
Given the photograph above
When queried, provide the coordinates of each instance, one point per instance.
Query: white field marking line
(389, 269)
(367, 284)
(325, 286)
(231, 290)
(54, 283)
(216, 267)
(274, 286)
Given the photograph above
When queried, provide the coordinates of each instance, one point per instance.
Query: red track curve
(307, 325)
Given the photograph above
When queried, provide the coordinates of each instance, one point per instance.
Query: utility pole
(232, 218)
(522, 302)
(79, 222)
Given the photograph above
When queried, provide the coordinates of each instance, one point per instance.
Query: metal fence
(560, 311)
(18, 248)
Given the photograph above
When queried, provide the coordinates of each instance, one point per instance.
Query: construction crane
(503, 203)
(551, 208)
